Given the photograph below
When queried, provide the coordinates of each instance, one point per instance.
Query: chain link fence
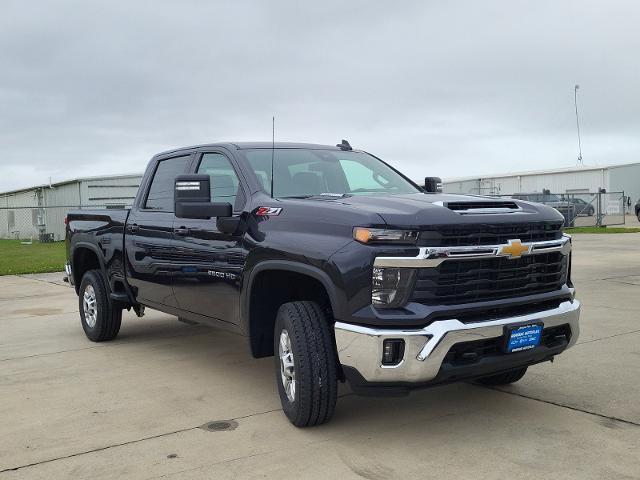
(39, 224)
(597, 209)
(46, 224)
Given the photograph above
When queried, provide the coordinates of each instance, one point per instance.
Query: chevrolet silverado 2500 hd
(334, 263)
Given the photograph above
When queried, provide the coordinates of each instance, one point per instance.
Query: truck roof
(250, 145)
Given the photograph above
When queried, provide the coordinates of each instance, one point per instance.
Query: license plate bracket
(523, 336)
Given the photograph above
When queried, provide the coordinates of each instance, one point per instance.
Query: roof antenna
(344, 145)
(273, 148)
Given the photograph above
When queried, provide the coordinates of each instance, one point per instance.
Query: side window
(160, 196)
(224, 181)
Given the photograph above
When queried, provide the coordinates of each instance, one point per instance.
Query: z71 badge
(265, 211)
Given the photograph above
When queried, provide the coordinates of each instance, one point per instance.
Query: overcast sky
(452, 88)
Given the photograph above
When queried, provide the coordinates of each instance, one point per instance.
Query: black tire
(314, 360)
(107, 316)
(504, 378)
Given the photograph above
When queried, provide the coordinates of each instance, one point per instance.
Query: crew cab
(336, 264)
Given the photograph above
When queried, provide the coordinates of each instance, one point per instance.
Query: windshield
(304, 173)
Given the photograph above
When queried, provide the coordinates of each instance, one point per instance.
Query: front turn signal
(383, 235)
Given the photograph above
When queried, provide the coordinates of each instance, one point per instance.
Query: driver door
(207, 280)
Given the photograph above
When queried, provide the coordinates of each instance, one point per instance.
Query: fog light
(391, 287)
(392, 351)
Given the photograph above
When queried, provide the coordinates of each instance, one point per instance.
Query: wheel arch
(303, 282)
(85, 257)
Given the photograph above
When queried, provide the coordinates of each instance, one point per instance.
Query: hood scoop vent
(482, 208)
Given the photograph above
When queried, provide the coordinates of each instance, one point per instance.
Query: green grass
(16, 258)
(602, 230)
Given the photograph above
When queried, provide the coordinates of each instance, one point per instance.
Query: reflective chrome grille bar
(434, 256)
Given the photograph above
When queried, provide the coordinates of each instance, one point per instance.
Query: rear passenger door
(208, 280)
(149, 235)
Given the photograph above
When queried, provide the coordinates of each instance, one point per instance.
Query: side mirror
(433, 184)
(192, 197)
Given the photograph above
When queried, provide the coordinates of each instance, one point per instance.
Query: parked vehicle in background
(637, 209)
(550, 199)
(580, 206)
(567, 209)
(334, 263)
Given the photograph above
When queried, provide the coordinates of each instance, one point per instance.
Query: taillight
(66, 220)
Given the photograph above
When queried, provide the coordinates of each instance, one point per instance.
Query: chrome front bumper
(361, 347)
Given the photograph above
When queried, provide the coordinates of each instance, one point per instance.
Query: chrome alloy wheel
(90, 307)
(287, 366)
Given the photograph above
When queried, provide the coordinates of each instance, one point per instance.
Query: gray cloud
(439, 88)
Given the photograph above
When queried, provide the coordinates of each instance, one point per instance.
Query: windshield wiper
(325, 196)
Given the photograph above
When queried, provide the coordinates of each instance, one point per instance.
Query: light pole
(575, 102)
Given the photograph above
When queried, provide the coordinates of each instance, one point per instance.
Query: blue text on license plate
(524, 337)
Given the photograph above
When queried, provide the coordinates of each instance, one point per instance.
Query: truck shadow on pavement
(216, 357)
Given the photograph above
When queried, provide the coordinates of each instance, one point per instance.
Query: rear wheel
(305, 364)
(100, 318)
(504, 378)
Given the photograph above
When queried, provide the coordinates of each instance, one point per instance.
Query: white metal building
(613, 178)
(32, 212)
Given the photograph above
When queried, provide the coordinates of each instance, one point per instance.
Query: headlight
(382, 235)
(391, 287)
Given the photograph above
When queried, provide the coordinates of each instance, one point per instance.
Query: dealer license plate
(523, 337)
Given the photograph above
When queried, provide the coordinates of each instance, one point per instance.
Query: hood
(417, 210)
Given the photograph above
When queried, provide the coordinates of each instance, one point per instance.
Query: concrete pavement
(135, 407)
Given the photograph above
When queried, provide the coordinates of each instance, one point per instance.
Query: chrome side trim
(425, 348)
(434, 256)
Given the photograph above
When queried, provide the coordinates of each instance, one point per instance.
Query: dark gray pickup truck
(334, 263)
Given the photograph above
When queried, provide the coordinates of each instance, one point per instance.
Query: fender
(284, 265)
(89, 246)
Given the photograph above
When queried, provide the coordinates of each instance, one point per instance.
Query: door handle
(133, 228)
(181, 231)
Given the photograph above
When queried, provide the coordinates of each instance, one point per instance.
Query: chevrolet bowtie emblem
(514, 249)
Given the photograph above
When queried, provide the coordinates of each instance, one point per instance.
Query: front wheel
(100, 318)
(305, 364)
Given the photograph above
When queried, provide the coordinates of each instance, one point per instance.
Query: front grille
(495, 234)
(464, 281)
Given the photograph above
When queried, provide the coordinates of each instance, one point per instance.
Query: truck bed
(99, 230)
